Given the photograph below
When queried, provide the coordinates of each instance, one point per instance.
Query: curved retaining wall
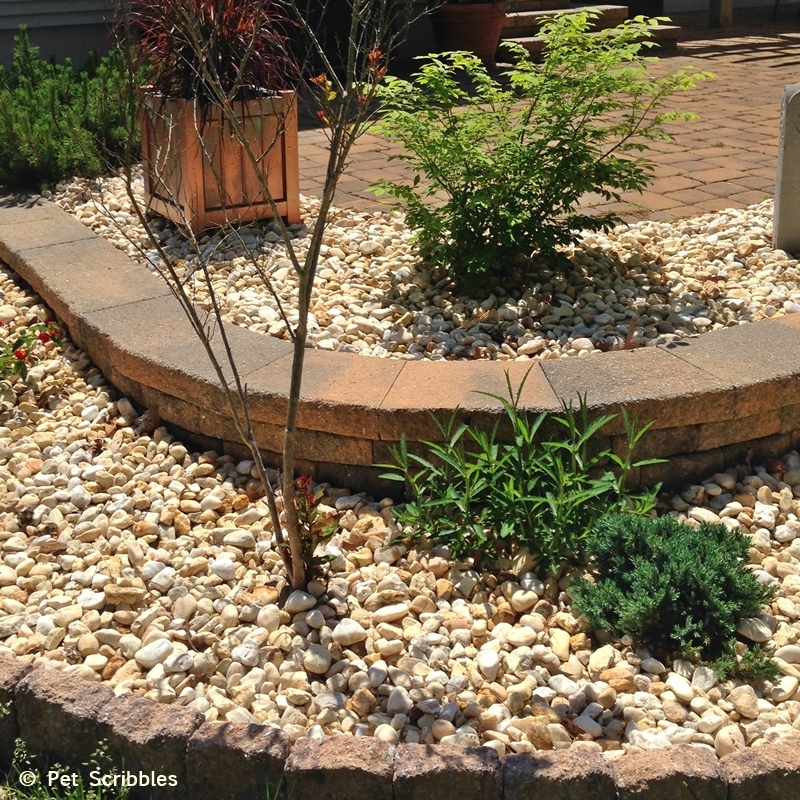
(64, 720)
(712, 398)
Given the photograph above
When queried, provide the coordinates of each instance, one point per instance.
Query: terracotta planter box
(195, 170)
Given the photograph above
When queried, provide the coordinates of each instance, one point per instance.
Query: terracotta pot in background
(469, 26)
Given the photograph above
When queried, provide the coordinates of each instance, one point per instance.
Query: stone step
(665, 36)
(526, 23)
(535, 5)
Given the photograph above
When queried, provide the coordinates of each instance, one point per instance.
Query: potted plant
(203, 55)
(469, 25)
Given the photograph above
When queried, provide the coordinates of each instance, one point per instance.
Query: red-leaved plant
(315, 527)
(21, 348)
(243, 43)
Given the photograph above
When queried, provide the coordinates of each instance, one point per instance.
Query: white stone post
(786, 224)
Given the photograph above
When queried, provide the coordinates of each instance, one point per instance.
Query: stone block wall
(711, 398)
(169, 752)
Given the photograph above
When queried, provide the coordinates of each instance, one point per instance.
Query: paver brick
(87, 275)
(49, 228)
(771, 772)
(692, 195)
(58, 716)
(645, 383)
(165, 353)
(723, 189)
(760, 382)
(150, 739)
(443, 386)
(574, 774)
(16, 206)
(338, 388)
(682, 772)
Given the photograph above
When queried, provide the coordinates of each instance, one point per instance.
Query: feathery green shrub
(55, 123)
(671, 586)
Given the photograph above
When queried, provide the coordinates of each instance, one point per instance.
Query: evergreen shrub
(56, 123)
(669, 585)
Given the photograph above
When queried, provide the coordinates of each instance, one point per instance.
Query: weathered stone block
(419, 389)
(771, 772)
(786, 227)
(682, 772)
(11, 673)
(767, 383)
(150, 740)
(58, 717)
(233, 760)
(341, 768)
(653, 383)
(427, 772)
(574, 774)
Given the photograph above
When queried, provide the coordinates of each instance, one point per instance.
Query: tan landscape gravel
(129, 559)
(665, 281)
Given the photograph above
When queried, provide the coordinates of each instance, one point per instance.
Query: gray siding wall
(53, 13)
(60, 28)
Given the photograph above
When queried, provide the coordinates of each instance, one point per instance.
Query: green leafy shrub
(671, 586)
(480, 496)
(55, 123)
(511, 160)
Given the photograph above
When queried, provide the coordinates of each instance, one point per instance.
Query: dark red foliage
(303, 484)
(241, 43)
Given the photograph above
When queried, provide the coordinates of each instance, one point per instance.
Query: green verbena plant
(511, 160)
(21, 349)
(481, 496)
(671, 586)
(55, 123)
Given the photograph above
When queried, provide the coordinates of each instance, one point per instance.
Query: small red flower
(2, 324)
(303, 484)
(20, 354)
(43, 337)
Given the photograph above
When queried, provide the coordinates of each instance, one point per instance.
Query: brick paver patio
(726, 159)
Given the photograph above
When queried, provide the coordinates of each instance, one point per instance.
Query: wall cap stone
(353, 408)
